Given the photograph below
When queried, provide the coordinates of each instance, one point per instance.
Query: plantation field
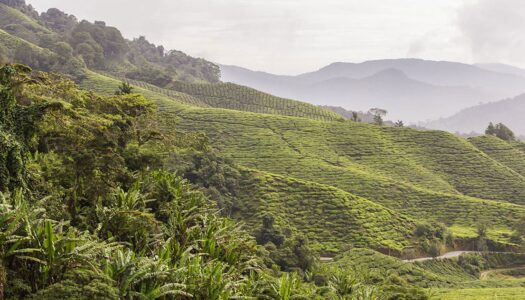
(234, 97)
(428, 175)
(237, 97)
(341, 219)
(11, 43)
(433, 273)
(444, 278)
(380, 164)
(511, 155)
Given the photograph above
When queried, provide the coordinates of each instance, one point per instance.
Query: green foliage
(124, 89)
(150, 75)
(71, 45)
(501, 131)
(268, 234)
(17, 125)
(428, 175)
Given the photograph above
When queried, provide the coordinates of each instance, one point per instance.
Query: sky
(296, 36)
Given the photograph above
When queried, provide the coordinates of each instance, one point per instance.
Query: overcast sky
(295, 36)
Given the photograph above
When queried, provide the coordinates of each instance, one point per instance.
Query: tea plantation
(418, 175)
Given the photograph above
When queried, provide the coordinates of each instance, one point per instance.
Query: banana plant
(287, 287)
(142, 277)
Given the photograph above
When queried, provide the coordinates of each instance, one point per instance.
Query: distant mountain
(475, 119)
(410, 89)
(503, 68)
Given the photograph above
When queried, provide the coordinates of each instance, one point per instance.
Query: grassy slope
(402, 169)
(238, 97)
(108, 85)
(368, 161)
(331, 218)
(11, 43)
(509, 154)
(512, 293)
(235, 97)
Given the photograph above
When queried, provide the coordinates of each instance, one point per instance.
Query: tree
(481, 243)
(64, 51)
(378, 114)
(490, 129)
(501, 131)
(267, 233)
(17, 125)
(399, 124)
(355, 117)
(124, 89)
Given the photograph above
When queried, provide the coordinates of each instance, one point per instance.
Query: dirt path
(485, 274)
(444, 256)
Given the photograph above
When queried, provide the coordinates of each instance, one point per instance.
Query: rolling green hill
(428, 175)
(238, 97)
(329, 217)
(299, 149)
(234, 97)
(509, 154)
(384, 165)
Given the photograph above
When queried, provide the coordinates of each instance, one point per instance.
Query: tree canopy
(501, 131)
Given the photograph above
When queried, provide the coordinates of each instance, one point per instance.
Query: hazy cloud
(494, 30)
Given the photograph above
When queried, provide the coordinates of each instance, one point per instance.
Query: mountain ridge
(462, 85)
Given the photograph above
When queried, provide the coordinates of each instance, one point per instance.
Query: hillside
(237, 97)
(98, 46)
(219, 95)
(509, 154)
(419, 87)
(342, 219)
(476, 118)
(424, 175)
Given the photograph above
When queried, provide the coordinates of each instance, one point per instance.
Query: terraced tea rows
(369, 161)
(331, 218)
(427, 274)
(401, 169)
(234, 97)
(237, 97)
(152, 90)
(511, 155)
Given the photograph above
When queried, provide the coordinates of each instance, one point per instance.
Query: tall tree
(378, 114)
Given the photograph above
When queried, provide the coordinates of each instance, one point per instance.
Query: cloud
(494, 30)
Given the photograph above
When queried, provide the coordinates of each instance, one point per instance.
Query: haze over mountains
(475, 119)
(410, 89)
